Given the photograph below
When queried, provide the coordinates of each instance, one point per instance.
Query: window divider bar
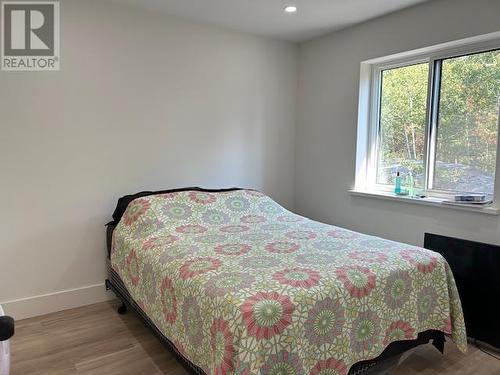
(432, 122)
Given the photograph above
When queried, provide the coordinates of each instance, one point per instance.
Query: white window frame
(369, 107)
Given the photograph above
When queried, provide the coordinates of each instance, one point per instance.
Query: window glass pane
(468, 123)
(403, 100)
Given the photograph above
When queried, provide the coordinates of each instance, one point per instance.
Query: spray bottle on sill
(411, 185)
(397, 184)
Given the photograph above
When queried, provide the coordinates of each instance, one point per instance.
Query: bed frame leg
(122, 309)
(438, 343)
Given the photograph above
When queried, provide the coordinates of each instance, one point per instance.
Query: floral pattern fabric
(243, 286)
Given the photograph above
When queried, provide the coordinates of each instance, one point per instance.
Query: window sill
(428, 201)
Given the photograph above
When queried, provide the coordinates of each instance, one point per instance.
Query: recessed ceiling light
(290, 9)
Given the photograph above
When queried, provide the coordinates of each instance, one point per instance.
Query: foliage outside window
(438, 120)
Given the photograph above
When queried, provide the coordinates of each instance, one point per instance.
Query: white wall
(142, 101)
(327, 121)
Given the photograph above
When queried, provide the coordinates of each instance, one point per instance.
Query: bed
(234, 283)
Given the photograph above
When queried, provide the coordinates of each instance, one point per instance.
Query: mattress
(241, 285)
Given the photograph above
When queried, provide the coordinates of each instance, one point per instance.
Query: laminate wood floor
(96, 340)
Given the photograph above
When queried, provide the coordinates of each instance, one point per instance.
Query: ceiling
(266, 17)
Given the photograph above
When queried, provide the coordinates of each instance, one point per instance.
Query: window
(402, 121)
(434, 116)
(467, 123)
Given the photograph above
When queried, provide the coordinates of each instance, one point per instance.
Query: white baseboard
(47, 303)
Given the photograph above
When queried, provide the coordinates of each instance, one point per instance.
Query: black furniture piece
(476, 267)
(114, 283)
(6, 332)
(6, 327)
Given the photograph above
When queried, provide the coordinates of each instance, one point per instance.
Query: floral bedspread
(241, 285)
